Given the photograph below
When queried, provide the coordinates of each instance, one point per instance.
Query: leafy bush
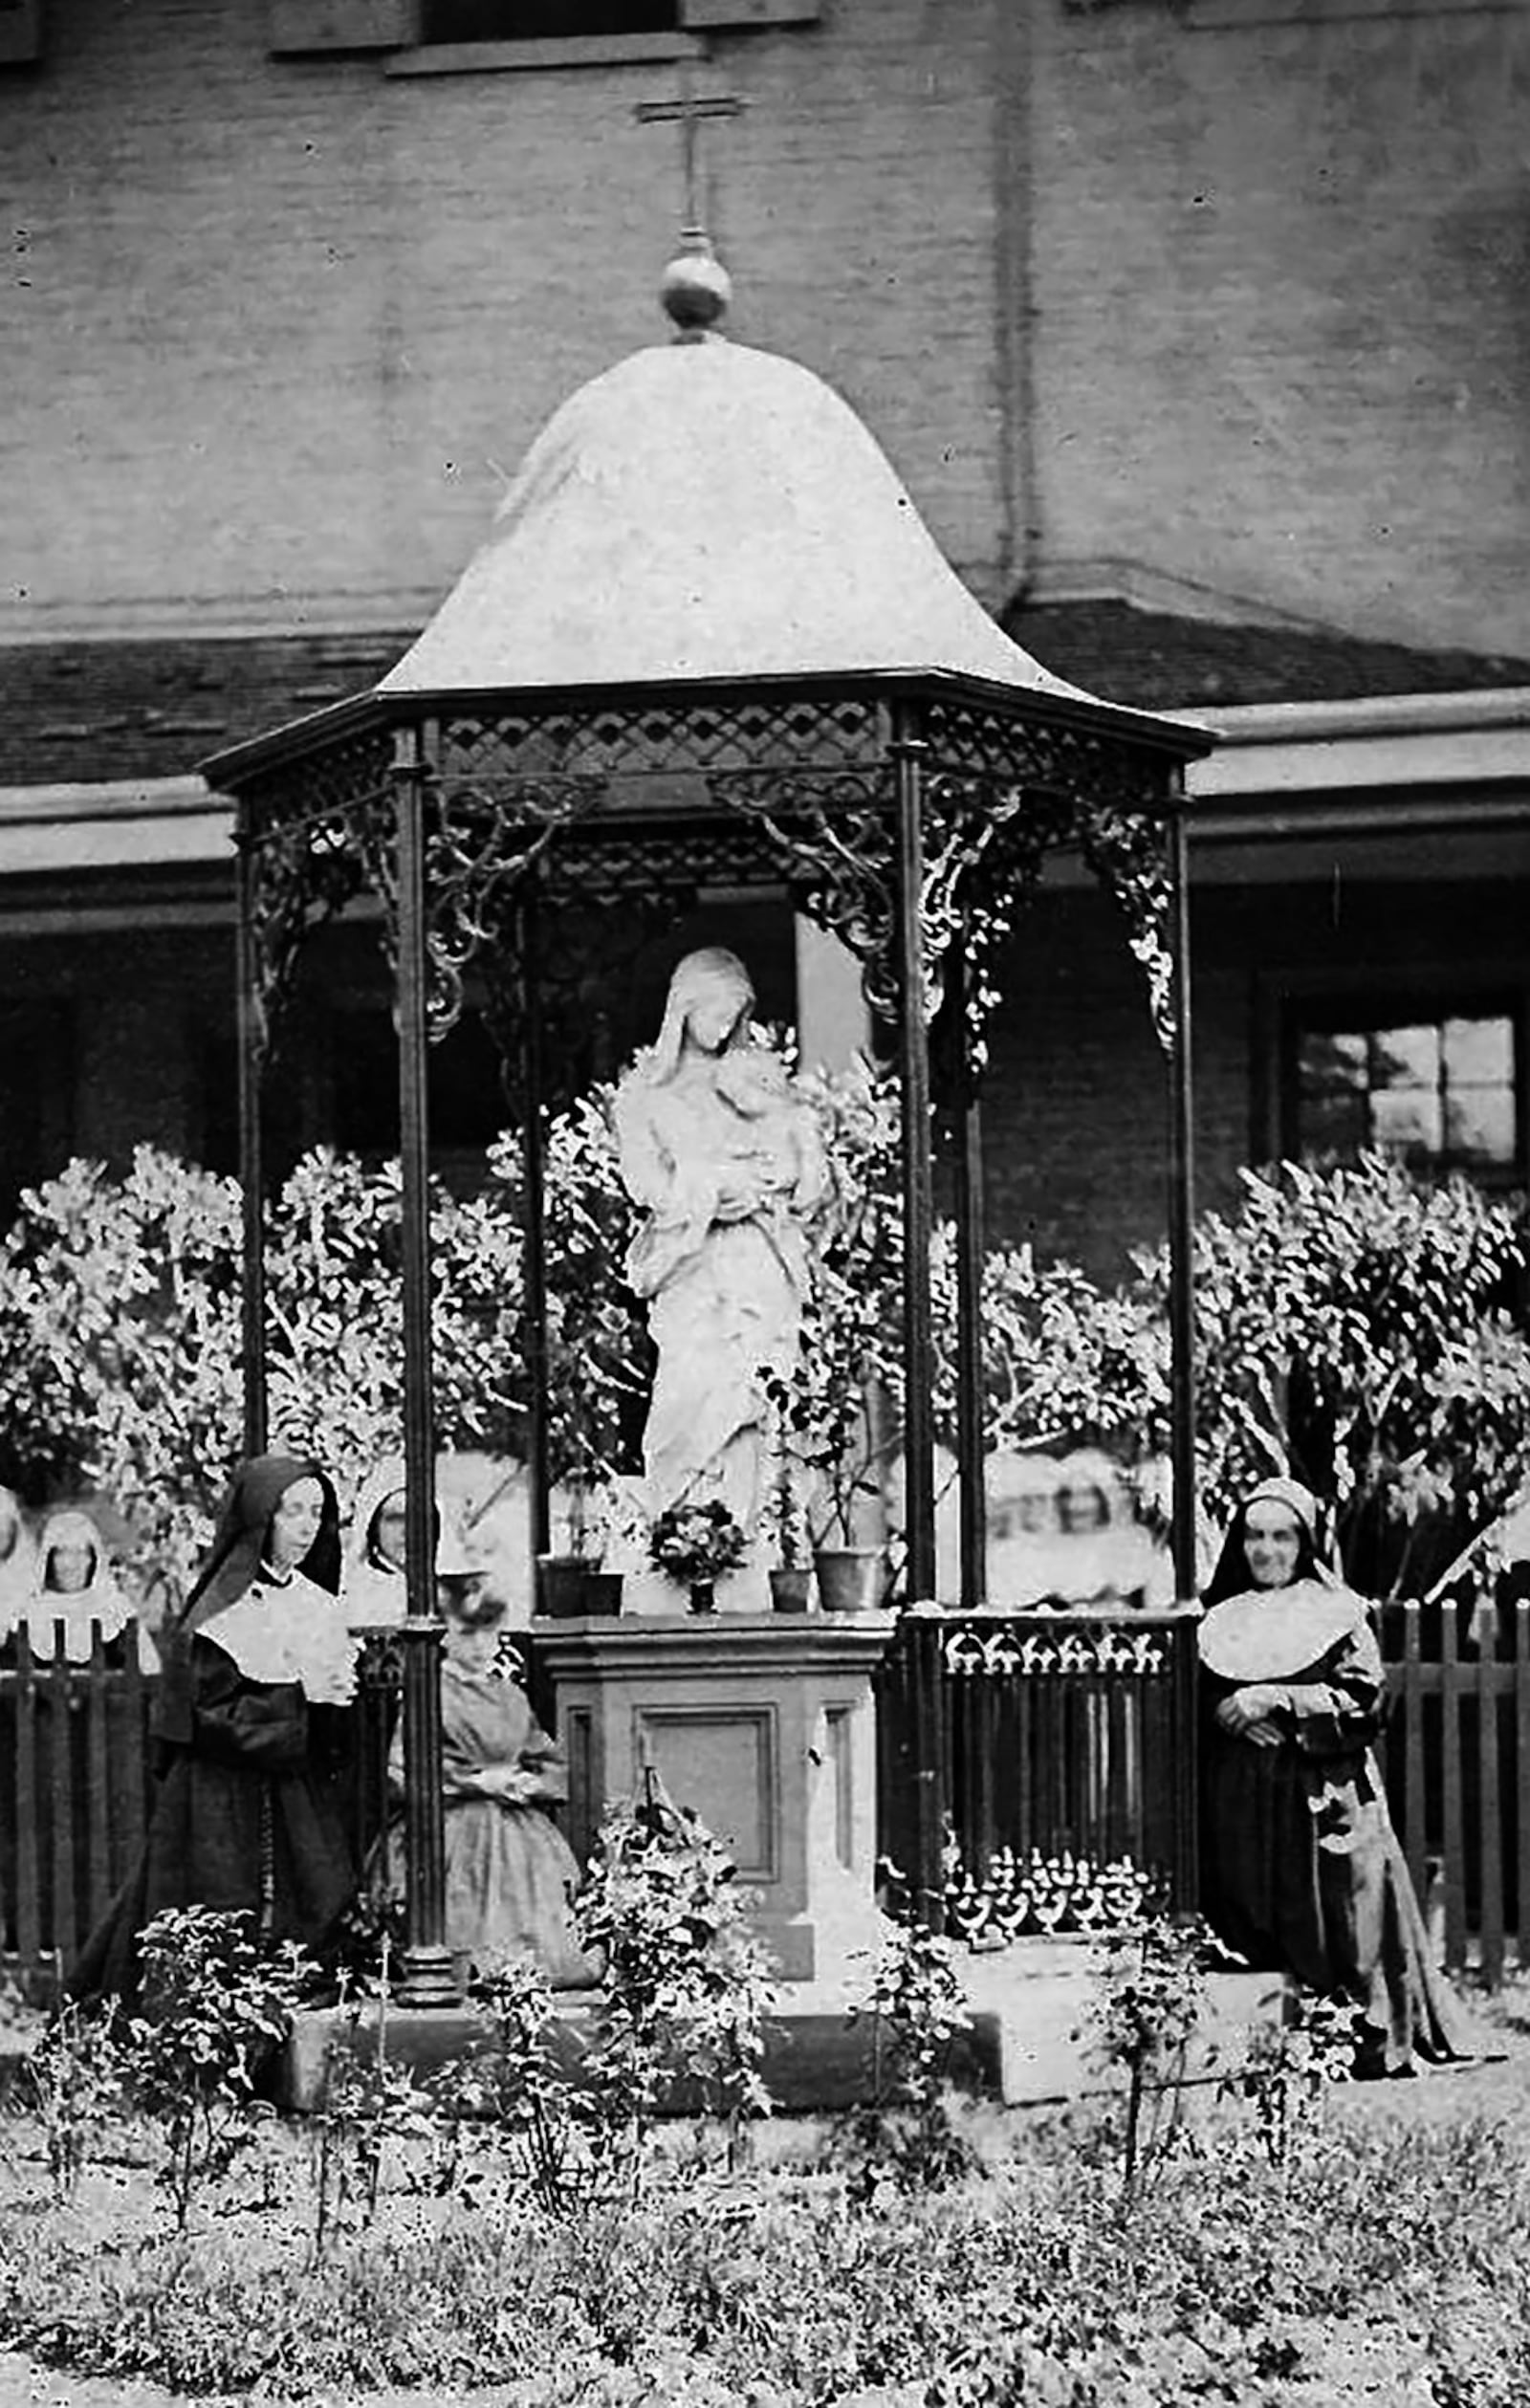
(684, 1992)
(906, 2135)
(1354, 1326)
(513, 2086)
(216, 2008)
(367, 2099)
(1289, 2065)
(1149, 1988)
(120, 1344)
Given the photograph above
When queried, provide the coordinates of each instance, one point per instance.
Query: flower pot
(602, 1592)
(703, 1597)
(789, 1587)
(851, 1579)
(561, 1586)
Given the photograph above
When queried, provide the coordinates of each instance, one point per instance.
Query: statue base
(764, 1725)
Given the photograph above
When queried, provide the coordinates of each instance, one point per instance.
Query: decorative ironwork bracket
(974, 1653)
(810, 778)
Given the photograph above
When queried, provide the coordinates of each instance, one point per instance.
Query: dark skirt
(1301, 1874)
(233, 1838)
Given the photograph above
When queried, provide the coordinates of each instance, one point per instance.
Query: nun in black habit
(253, 1725)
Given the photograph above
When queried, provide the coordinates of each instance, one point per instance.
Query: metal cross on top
(689, 114)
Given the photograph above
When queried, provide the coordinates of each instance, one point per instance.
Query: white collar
(1271, 1634)
(285, 1629)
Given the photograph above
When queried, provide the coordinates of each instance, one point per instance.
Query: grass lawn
(1385, 2260)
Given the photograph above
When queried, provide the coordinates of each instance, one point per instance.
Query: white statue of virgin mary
(725, 1161)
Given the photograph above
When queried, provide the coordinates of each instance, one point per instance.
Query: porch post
(533, 1219)
(918, 1340)
(427, 1973)
(1182, 1220)
(253, 1041)
(918, 1185)
(970, 1249)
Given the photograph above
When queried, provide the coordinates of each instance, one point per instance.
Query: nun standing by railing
(1301, 1873)
(253, 1733)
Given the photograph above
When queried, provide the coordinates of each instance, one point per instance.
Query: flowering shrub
(696, 1543)
(684, 1992)
(1354, 1326)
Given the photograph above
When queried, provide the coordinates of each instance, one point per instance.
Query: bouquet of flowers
(697, 1541)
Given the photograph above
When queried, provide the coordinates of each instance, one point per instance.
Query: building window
(543, 20)
(423, 36)
(1439, 1089)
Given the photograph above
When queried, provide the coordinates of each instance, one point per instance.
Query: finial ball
(695, 290)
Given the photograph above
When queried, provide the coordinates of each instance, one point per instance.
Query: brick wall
(1254, 291)
(121, 1023)
(1074, 1120)
(273, 326)
(1279, 270)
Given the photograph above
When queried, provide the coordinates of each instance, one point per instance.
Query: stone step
(1027, 2039)
(816, 2059)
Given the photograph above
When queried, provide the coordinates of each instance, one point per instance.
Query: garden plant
(1368, 2258)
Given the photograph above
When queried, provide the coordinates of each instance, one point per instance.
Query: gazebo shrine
(707, 637)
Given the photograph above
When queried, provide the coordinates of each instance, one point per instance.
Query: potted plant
(569, 1578)
(824, 1410)
(588, 1368)
(695, 1543)
(784, 1528)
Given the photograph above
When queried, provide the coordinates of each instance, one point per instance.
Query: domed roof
(705, 510)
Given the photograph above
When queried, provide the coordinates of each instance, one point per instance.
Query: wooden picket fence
(1012, 1734)
(76, 1788)
(1457, 1761)
(76, 1779)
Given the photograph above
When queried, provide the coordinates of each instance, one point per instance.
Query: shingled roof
(146, 708)
(154, 706)
(1164, 659)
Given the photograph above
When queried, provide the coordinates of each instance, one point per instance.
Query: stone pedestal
(764, 1725)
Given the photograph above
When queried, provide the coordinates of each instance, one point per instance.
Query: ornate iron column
(971, 1240)
(1182, 1219)
(918, 1186)
(534, 1219)
(253, 1039)
(908, 755)
(428, 1978)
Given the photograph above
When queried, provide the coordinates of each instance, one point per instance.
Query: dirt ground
(1494, 2087)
